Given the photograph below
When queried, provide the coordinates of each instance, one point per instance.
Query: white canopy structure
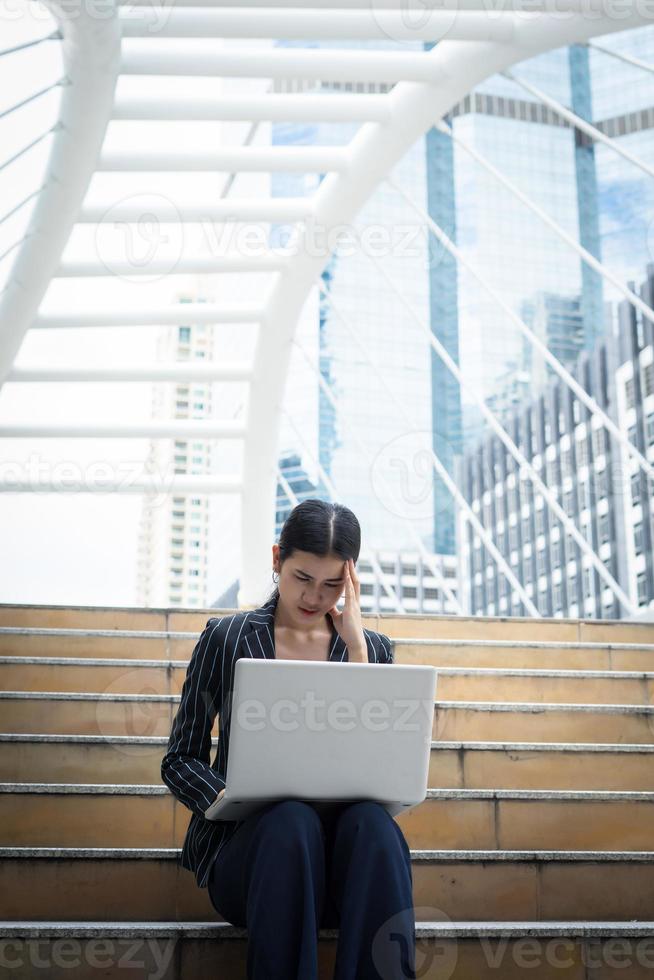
(474, 39)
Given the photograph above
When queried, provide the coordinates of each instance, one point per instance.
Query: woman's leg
(270, 877)
(371, 883)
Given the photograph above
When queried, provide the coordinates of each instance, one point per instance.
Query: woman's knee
(378, 826)
(367, 813)
(291, 822)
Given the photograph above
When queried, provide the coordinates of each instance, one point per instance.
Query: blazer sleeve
(380, 648)
(385, 655)
(186, 768)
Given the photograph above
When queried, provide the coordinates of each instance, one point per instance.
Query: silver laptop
(326, 732)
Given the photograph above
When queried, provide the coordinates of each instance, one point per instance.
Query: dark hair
(320, 528)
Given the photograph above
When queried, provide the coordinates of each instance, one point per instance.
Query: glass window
(630, 393)
(635, 488)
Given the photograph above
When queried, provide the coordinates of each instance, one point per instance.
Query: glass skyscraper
(364, 446)
(597, 197)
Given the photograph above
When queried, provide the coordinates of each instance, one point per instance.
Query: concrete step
(142, 884)
(83, 617)
(121, 676)
(97, 644)
(167, 645)
(130, 815)
(409, 625)
(111, 618)
(540, 722)
(75, 713)
(525, 655)
(453, 765)
(516, 628)
(561, 853)
(457, 950)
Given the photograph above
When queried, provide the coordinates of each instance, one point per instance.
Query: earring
(275, 580)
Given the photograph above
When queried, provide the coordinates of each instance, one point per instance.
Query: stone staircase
(532, 855)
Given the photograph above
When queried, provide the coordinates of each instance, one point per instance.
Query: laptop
(327, 733)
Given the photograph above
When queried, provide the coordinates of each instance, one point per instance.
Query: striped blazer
(186, 768)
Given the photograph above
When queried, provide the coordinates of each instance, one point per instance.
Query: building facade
(175, 531)
(596, 482)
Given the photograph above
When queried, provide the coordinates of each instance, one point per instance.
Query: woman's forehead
(318, 567)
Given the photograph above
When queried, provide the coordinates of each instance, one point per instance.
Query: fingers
(351, 579)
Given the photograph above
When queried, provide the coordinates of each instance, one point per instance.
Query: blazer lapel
(258, 639)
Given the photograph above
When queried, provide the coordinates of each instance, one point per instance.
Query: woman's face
(308, 581)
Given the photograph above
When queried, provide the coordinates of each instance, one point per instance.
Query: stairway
(532, 853)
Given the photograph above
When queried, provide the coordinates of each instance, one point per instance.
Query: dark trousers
(290, 870)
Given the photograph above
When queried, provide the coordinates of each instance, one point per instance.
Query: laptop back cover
(322, 731)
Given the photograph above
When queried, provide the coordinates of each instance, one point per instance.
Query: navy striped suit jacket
(207, 690)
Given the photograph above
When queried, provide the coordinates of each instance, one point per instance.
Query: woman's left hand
(348, 622)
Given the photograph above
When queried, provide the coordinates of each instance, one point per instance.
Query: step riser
(95, 647)
(455, 627)
(83, 679)
(88, 618)
(495, 628)
(449, 768)
(147, 890)
(531, 658)
(520, 769)
(142, 718)
(469, 725)
(90, 717)
(525, 658)
(457, 959)
(575, 825)
(161, 680)
(121, 820)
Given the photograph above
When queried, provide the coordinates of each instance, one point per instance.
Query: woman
(293, 867)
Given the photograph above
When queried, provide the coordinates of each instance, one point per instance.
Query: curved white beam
(91, 54)
(376, 149)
